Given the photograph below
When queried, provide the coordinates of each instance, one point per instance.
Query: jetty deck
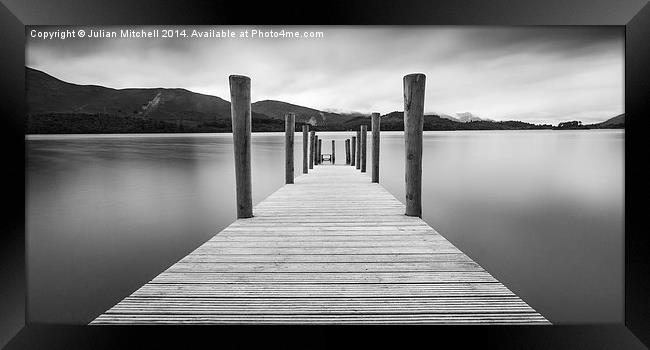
(330, 248)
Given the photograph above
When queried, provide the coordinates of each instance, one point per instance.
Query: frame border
(633, 14)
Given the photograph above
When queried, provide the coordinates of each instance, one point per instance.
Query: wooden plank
(323, 267)
(333, 248)
(324, 258)
(415, 318)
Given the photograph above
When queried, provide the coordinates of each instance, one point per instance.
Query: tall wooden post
(240, 111)
(364, 132)
(347, 151)
(414, 85)
(320, 151)
(289, 131)
(312, 147)
(353, 155)
(358, 160)
(305, 149)
(333, 153)
(375, 146)
(316, 158)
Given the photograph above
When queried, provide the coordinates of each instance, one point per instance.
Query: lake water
(542, 211)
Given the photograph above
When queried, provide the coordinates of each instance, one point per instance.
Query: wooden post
(358, 160)
(312, 143)
(413, 122)
(289, 131)
(364, 132)
(375, 146)
(316, 150)
(305, 149)
(320, 151)
(354, 151)
(347, 151)
(333, 153)
(240, 111)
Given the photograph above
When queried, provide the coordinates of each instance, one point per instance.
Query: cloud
(537, 74)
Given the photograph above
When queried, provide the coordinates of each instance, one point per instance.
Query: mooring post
(289, 131)
(240, 111)
(320, 151)
(413, 123)
(305, 149)
(347, 151)
(354, 150)
(358, 160)
(316, 150)
(375, 146)
(312, 142)
(364, 132)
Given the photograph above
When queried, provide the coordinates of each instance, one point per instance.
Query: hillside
(56, 106)
(314, 117)
(46, 94)
(617, 122)
(395, 121)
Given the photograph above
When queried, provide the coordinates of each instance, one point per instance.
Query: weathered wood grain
(375, 125)
(305, 149)
(347, 151)
(240, 108)
(312, 148)
(353, 152)
(364, 144)
(414, 85)
(289, 132)
(316, 150)
(358, 155)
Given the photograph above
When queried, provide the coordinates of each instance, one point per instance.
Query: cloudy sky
(534, 74)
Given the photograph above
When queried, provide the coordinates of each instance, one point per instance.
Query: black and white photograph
(469, 177)
(267, 174)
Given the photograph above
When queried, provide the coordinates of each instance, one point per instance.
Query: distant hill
(56, 106)
(47, 94)
(314, 117)
(617, 122)
(395, 121)
(469, 117)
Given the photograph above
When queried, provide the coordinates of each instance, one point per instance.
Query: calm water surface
(542, 211)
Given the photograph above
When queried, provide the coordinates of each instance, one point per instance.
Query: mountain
(314, 117)
(51, 101)
(395, 121)
(469, 117)
(47, 94)
(56, 106)
(617, 122)
(447, 116)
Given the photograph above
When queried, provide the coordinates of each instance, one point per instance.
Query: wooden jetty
(331, 246)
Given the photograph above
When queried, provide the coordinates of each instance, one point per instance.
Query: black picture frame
(17, 332)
